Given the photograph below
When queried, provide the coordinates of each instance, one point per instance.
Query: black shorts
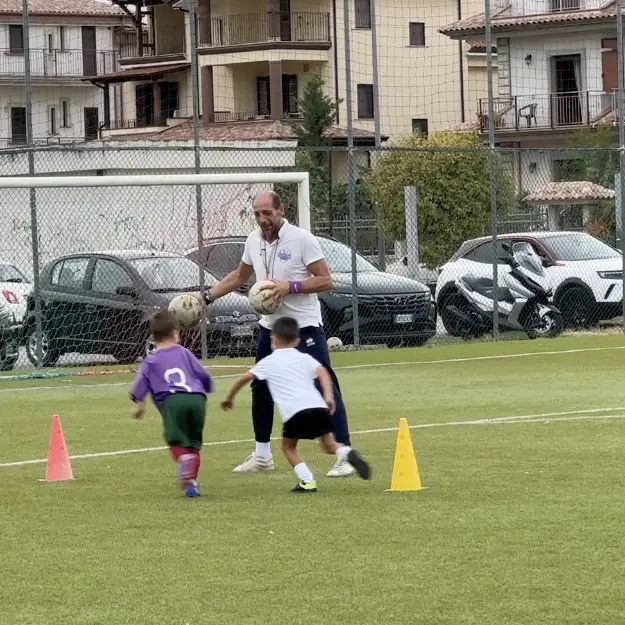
(308, 424)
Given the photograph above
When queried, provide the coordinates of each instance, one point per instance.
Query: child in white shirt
(306, 414)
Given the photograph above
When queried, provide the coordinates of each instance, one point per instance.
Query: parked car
(392, 310)
(100, 303)
(9, 338)
(14, 288)
(584, 273)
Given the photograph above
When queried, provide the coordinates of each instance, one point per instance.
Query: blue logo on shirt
(284, 255)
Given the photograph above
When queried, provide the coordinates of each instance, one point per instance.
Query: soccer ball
(334, 343)
(261, 301)
(187, 310)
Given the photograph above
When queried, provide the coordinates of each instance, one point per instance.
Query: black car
(9, 338)
(100, 303)
(392, 310)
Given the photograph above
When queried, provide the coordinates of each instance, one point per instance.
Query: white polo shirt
(287, 258)
(290, 376)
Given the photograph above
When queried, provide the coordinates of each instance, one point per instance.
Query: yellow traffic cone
(405, 471)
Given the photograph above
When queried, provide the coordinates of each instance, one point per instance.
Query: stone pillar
(156, 106)
(208, 94)
(275, 89)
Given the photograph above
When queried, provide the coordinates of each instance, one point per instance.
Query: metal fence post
(491, 154)
(620, 205)
(196, 152)
(411, 210)
(351, 200)
(34, 229)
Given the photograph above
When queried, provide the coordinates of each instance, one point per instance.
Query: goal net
(86, 260)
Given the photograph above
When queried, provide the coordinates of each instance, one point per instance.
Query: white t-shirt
(290, 376)
(287, 258)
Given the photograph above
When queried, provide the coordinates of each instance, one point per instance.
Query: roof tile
(269, 130)
(570, 192)
(64, 7)
(504, 19)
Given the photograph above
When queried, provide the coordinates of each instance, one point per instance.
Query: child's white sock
(303, 472)
(263, 450)
(343, 452)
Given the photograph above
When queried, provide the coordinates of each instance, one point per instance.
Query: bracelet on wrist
(208, 297)
(295, 287)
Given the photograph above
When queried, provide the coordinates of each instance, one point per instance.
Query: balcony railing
(257, 28)
(58, 63)
(532, 7)
(133, 124)
(227, 116)
(171, 43)
(17, 143)
(554, 110)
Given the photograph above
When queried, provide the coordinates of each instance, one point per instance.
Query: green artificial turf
(520, 523)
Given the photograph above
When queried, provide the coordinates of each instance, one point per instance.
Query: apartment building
(558, 70)
(70, 41)
(256, 57)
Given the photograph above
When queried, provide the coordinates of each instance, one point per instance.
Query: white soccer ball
(260, 298)
(334, 342)
(187, 310)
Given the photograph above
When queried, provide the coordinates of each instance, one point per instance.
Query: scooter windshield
(527, 258)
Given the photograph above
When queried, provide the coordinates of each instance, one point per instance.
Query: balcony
(45, 64)
(229, 117)
(264, 31)
(554, 111)
(17, 143)
(170, 46)
(536, 7)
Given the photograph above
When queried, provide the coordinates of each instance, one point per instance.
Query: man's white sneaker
(341, 468)
(254, 463)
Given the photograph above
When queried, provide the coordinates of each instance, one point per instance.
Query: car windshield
(9, 273)
(578, 246)
(339, 258)
(170, 273)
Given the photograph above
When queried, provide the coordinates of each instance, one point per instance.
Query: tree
(450, 171)
(598, 163)
(318, 114)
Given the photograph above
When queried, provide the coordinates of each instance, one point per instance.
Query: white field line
(545, 417)
(341, 368)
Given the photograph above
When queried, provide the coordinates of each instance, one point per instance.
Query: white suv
(585, 274)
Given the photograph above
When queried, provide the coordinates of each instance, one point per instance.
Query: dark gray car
(100, 303)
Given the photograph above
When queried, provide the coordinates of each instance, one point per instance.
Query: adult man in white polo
(292, 257)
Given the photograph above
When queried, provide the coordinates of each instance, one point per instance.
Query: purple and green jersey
(170, 370)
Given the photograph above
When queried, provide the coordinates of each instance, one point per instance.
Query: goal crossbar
(139, 180)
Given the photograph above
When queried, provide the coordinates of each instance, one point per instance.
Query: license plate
(242, 331)
(404, 318)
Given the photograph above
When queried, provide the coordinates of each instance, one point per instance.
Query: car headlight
(611, 275)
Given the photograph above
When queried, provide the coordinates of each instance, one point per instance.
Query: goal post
(116, 246)
(146, 180)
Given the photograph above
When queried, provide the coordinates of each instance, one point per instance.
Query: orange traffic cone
(59, 467)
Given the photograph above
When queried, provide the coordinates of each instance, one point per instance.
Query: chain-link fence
(485, 201)
(106, 256)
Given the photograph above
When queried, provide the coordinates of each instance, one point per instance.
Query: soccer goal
(116, 237)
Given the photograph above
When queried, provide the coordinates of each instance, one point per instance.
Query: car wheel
(149, 346)
(6, 362)
(49, 351)
(578, 308)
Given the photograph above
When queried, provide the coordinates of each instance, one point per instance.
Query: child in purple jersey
(178, 385)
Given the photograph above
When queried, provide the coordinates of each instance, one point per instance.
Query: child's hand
(331, 405)
(227, 404)
(137, 413)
